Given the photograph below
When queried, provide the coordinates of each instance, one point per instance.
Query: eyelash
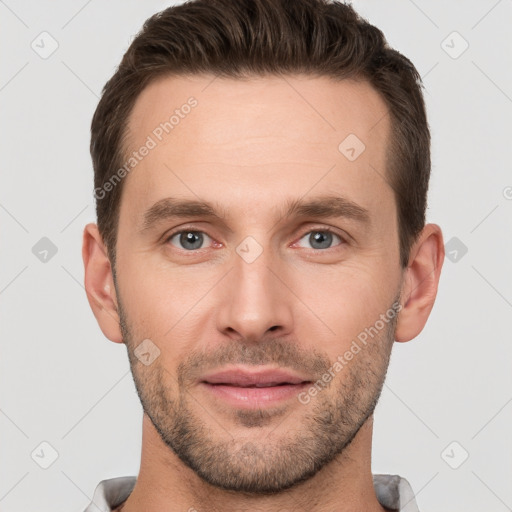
(317, 230)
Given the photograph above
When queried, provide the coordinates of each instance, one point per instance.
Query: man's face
(253, 288)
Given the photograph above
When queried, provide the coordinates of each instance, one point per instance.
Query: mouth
(244, 388)
(263, 385)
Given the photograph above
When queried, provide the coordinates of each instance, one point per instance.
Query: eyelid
(179, 229)
(185, 229)
(309, 229)
(325, 229)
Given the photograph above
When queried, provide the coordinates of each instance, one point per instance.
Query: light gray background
(63, 383)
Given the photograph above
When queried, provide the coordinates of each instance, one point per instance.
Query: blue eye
(192, 240)
(321, 238)
(188, 239)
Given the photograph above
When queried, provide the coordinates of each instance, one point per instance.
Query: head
(289, 145)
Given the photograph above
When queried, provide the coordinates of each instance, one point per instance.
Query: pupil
(321, 238)
(195, 239)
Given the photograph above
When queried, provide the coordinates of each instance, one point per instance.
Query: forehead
(260, 105)
(254, 139)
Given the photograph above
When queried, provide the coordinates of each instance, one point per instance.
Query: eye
(321, 238)
(188, 239)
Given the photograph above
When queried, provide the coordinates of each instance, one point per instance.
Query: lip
(244, 388)
(261, 377)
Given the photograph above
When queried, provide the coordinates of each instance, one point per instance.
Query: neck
(166, 483)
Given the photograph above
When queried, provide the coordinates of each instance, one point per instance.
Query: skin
(250, 146)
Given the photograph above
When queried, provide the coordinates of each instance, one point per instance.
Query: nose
(255, 300)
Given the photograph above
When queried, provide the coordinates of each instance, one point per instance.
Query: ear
(419, 288)
(99, 283)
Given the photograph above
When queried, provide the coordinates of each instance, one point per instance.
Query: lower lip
(254, 397)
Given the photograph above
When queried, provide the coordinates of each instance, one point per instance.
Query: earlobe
(99, 283)
(420, 283)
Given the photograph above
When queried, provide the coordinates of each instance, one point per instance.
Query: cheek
(165, 305)
(346, 299)
(150, 292)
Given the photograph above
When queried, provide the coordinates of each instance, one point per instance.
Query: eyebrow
(319, 207)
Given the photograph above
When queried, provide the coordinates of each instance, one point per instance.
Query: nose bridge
(257, 300)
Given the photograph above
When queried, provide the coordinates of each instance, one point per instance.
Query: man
(289, 146)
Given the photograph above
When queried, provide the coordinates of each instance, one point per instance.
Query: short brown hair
(240, 38)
